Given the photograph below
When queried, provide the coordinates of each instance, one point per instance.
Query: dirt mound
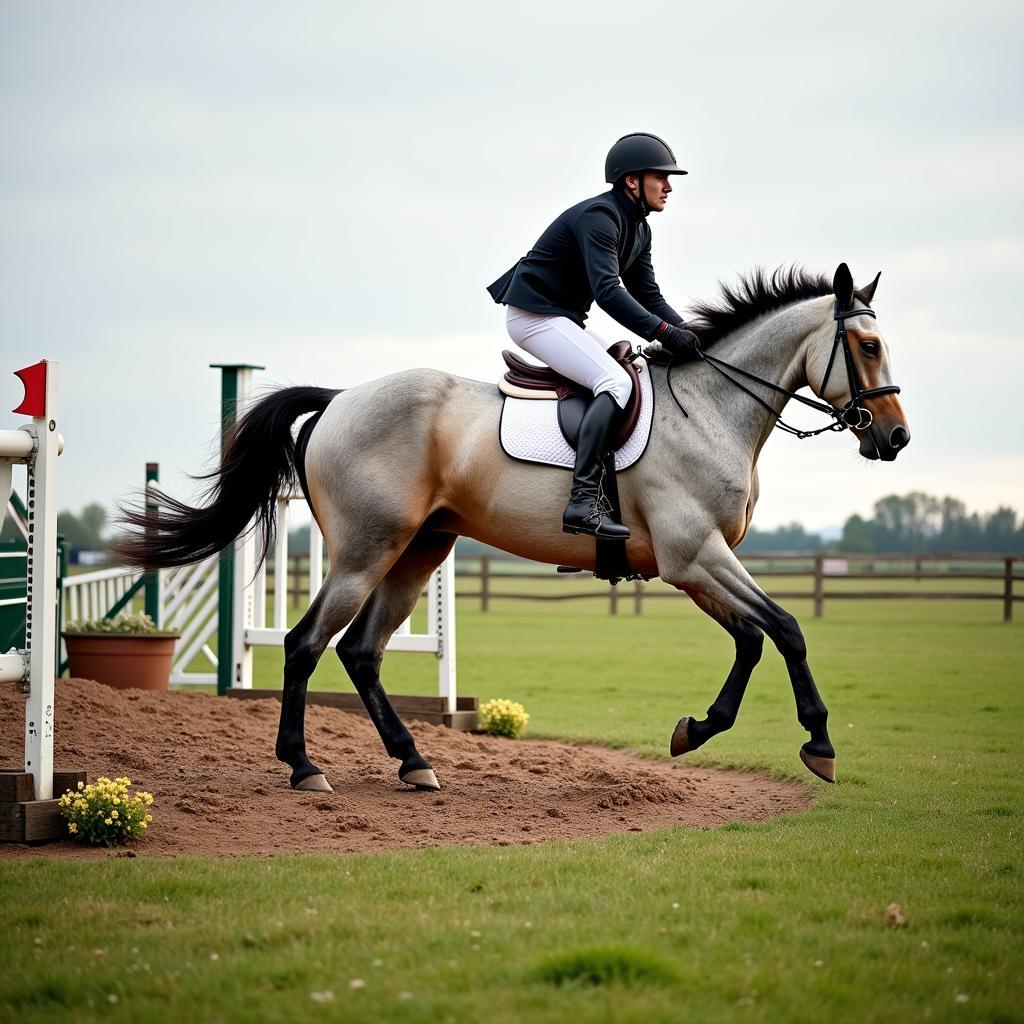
(209, 762)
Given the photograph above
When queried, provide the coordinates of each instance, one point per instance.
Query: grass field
(777, 922)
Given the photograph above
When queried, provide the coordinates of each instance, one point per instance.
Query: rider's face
(657, 185)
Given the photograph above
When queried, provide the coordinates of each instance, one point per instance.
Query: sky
(326, 189)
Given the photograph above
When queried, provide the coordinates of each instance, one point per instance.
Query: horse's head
(848, 366)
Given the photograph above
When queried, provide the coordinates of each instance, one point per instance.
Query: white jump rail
(37, 446)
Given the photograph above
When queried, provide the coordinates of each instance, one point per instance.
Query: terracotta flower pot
(122, 660)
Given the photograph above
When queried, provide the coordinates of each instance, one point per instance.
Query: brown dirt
(209, 762)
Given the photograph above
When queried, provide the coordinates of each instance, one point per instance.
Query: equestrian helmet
(639, 151)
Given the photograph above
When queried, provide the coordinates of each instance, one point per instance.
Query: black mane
(756, 294)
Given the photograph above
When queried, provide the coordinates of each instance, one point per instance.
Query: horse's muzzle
(877, 443)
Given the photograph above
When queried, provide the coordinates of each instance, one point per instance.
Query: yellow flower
(113, 814)
(108, 821)
(72, 827)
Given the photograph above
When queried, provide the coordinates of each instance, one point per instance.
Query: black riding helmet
(638, 152)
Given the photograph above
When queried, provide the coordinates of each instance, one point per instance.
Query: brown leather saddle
(525, 380)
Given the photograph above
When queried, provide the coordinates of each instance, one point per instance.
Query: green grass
(776, 922)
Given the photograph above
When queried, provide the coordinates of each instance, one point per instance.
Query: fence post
(819, 586)
(485, 582)
(152, 587)
(613, 599)
(638, 597)
(235, 386)
(1008, 590)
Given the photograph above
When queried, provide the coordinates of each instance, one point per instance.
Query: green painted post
(230, 375)
(152, 587)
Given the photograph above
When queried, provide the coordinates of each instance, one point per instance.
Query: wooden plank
(16, 785)
(425, 709)
(64, 780)
(31, 821)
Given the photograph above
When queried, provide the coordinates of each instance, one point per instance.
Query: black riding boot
(587, 511)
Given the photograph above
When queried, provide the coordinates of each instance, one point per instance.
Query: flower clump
(502, 717)
(132, 623)
(104, 812)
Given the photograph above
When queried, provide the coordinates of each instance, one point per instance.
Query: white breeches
(569, 350)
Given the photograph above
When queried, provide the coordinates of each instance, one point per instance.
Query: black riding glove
(681, 344)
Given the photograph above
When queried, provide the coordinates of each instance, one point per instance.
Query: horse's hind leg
(361, 649)
(690, 733)
(332, 609)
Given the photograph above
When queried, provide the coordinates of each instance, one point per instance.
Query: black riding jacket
(598, 250)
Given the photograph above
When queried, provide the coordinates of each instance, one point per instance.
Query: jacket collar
(629, 207)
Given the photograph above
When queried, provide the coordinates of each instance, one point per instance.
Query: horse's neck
(773, 348)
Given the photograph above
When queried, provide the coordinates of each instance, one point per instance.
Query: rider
(598, 250)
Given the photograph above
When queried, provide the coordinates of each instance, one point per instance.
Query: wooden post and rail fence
(820, 570)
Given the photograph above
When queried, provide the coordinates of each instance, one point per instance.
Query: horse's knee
(299, 661)
(788, 637)
(749, 643)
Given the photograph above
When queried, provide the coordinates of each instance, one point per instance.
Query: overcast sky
(326, 189)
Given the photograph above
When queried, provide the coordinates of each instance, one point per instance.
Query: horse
(396, 469)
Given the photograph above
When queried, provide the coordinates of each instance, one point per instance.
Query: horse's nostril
(899, 437)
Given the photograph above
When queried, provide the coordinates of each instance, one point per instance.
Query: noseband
(851, 415)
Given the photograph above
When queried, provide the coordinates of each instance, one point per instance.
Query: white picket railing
(90, 595)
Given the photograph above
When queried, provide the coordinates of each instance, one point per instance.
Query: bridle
(852, 415)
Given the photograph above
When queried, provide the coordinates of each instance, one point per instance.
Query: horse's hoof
(823, 767)
(314, 784)
(680, 738)
(421, 778)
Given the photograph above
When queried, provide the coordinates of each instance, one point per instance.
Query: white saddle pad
(529, 429)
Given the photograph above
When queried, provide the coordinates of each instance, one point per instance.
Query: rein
(852, 415)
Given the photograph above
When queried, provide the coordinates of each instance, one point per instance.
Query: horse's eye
(869, 348)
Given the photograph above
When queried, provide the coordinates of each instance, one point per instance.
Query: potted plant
(126, 652)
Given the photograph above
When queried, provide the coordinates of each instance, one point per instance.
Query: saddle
(525, 380)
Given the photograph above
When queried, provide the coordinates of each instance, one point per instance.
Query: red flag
(34, 379)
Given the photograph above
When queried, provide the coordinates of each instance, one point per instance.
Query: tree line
(914, 523)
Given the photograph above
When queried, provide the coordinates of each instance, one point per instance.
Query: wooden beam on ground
(425, 709)
(24, 820)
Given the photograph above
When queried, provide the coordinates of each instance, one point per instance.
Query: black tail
(259, 462)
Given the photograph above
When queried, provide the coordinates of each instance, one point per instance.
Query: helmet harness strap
(641, 193)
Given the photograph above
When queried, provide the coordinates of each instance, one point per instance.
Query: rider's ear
(867, 293)
(842, 286)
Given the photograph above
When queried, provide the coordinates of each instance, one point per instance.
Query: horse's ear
(867, 293)
(842, 286)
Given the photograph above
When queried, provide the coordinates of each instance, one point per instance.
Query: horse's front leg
(716, 573)
(689, 732)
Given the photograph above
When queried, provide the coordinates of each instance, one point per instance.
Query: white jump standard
(27, 808)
